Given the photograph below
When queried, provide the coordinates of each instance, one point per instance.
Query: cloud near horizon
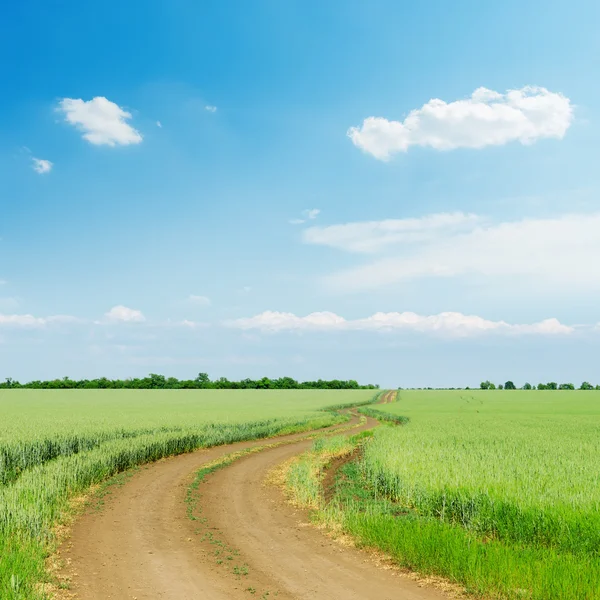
(28, 320)
(452, 324)
(486, 118)
(102, 122)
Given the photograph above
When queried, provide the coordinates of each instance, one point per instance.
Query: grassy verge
(484, 566)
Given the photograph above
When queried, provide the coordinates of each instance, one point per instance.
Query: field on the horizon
(55, 444)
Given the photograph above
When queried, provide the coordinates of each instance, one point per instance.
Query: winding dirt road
(248, 542)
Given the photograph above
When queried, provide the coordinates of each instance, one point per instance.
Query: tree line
(202, 381)
(551, 385)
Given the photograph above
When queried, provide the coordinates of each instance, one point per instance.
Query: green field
(498, 491)
(55, 444)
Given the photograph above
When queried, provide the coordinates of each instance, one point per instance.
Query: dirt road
(249, 542)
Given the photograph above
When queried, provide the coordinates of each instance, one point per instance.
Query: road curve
(142, 544)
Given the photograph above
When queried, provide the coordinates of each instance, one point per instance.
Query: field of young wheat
(55, 444)
(496, 491)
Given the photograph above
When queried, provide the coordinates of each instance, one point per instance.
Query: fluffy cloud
(487, 118)
(199, 300)
(31, 321)
(563, 249)
(373, 236)
(102, 122)
(210, 108)
(41, 166)
(446, 323)
(122, 314)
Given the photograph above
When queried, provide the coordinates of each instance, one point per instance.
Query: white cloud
(199, 300)
(41, 166)
(102, 122)
(309, 214)
(31, 321)
(374, 236)
(158, 124)
(210, 108)
(122, 314)
(446, 323)
(562, 250)
(3, 282)
(487, 118)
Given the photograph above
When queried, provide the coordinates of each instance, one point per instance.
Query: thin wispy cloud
(374, 236)
(210, 108)
(41, 165)
(199, 300)
(101, 121)
(309, 214)
(562, 249)
(487, 118)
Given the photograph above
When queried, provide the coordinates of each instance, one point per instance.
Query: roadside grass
(60, 444)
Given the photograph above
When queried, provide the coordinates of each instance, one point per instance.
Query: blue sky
(184, 185)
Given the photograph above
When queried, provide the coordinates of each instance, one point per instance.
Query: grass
(496, 491)
(55, 444)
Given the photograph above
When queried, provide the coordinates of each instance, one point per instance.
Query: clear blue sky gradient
(202, 205)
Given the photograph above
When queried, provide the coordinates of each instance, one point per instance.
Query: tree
(492, 386)
(527, 386)
(203, 380)
(485, 385)
(552, 385)
(566, 386)
(500, 386)
(509, 385)
(586, 386)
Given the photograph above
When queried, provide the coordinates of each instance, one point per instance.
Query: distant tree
(552, 385)
(500, 386)
(566, 386)
(485, 385)
(509, 385)
(586, 386)
(203, 380)
(527, 386)
(492, 386)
